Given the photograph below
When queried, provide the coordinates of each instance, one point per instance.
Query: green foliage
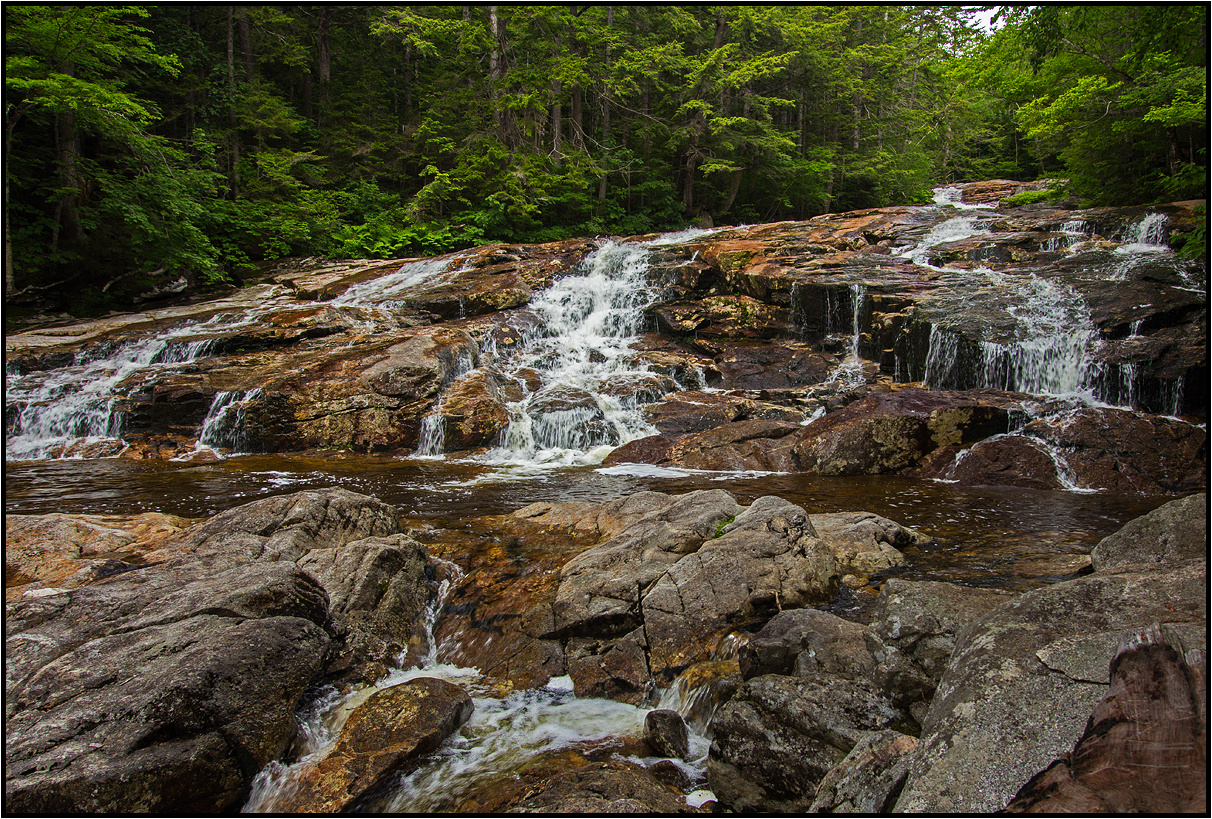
(138, 141)
(1030, 198)
(1194, 242)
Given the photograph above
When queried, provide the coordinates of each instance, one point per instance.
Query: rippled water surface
(1014, 538)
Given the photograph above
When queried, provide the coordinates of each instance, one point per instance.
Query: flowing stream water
(582, 393)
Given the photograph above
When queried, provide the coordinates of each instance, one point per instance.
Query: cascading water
(502, 735)
(385, 291)
(223, 427)
(55, 413)
(1072, 233)
(68, 410)
(849, 372)
(587, 324)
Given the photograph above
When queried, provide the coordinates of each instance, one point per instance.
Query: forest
(182, 142)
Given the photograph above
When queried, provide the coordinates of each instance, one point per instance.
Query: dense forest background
(146, 144)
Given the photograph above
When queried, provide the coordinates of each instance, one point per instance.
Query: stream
(569, 412)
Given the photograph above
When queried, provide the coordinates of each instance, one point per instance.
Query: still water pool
(1011, 538)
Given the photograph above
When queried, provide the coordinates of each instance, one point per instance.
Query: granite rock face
(168, 686)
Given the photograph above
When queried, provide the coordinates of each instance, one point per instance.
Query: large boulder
(173, 710)
(767, 559)
(1045, 653)
(167, 687)
(1173, 533)
(913, 632)
(891, 432)
(655, 599)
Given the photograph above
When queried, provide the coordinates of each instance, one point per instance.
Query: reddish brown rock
(1145, 747)
(757, 444)
(1125, 451)
(389, 733)
(892, 431)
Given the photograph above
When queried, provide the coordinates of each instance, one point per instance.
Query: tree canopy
(200, 139)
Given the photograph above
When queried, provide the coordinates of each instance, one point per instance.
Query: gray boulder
(808, 642)
(870, 778)
(1023, 679)
(766, 560)
(168, 687)
(913, 632)
(778, 737)
(1173, 533)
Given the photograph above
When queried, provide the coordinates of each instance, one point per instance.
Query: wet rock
(742, 445)
(616, 669)
(724, 317)
(225, 632)
(654, 449)
(378, 593)
(889, 432)
(870, 778)
(760, 365)
(1045, 653)
(1012, 460)
(1174, 533)
(55, 552)
(568, 783)
(695, 411)
(1127, 452)
(778, 737)
(666, 733)
(1145, 746)
(808, 643)
(388, 734)
(473, 411)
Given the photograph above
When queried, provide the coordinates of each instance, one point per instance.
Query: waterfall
(1072, 232)
(1149, 234)
(952, 230)
(1049, 355)
(223, 427)
(849, 373)
(432, 443)
(52, 414)
(587, 323)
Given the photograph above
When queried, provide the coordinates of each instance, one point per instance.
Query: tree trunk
(606, 108)
(577, 116)
(250, 62)
(557, 120)
(68, 229)
(233, 176)
(495, 71)
(324, 63)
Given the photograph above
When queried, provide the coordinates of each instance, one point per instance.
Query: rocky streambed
(173, 665)
(738, 643)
